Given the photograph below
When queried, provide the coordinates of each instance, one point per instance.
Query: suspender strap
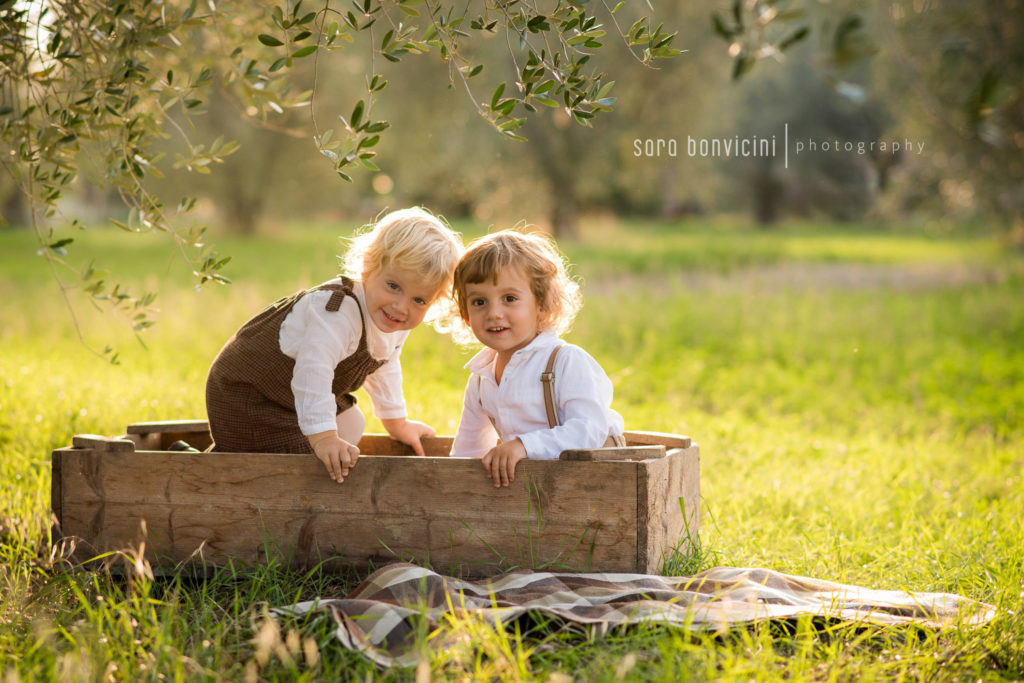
(547, 379)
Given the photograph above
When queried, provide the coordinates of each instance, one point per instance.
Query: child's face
(396, 299)
(503, 315)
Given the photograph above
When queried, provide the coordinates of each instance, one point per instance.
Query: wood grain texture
(157, 436)
(613, 453)
(56, 485)
(159, 426)
(668, 506)
(102, 443)
(440, 511)
(381, 444)
(655, 438)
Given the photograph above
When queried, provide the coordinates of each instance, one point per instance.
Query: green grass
(858, 397)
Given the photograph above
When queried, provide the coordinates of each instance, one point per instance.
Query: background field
(858, 396)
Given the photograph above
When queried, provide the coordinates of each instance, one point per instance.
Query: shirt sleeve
(476, 434)
(318, 340)
(384, 386)
(584, 394)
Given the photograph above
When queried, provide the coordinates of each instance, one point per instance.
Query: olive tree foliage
(822, 90)
(951, 69)
(758, 30)
(962, 67)
(100, 87)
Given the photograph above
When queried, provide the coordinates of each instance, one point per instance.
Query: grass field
(858, 397)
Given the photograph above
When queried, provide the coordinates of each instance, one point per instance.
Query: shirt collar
(483, 360)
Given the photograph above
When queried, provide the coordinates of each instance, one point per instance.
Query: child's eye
(476, 302)
(420, 300)
(393, 285)
(509, 298)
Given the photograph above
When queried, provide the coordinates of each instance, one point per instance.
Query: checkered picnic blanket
(382, 616)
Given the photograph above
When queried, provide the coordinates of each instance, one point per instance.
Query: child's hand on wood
(500, 462)
(409, 432)
(337, 455)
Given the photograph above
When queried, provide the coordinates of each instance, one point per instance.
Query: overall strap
(547, 378)
(338, 294)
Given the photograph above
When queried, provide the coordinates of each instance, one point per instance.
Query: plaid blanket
(382, 616)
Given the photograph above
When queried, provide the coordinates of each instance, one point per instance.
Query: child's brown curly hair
(557, 294)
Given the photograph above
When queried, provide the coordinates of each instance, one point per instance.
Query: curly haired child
(513, 292)
(283, 383)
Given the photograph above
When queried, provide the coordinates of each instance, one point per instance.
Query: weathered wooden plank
(175, 534)
(157, 436)
(56, 485)
(656, 438)
(296, 481)
(102, 443)
(442, 509)
(160, 434)
(668, 505)
(379, 444)
(613, 453)
(197, 433)
(160, 426)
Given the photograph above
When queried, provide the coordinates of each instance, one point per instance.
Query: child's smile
(396, 299)
(392, 319)
(503, 313)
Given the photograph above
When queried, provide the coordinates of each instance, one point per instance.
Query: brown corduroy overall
(249, 398)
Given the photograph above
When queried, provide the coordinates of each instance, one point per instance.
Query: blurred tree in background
(944, 74)
(960, 69)
(132, 104)
(943, 79)
(109, 94)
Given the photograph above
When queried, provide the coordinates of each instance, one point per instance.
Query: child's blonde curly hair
(412, 240)
(557, 293)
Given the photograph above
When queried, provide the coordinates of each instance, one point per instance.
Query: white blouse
(583, 396)
(318, 340)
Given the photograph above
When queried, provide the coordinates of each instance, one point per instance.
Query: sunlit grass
(867, 433)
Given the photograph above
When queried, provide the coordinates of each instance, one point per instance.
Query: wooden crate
(585, 512)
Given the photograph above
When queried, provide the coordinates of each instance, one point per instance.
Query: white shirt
(583, 396)
(318, 340)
